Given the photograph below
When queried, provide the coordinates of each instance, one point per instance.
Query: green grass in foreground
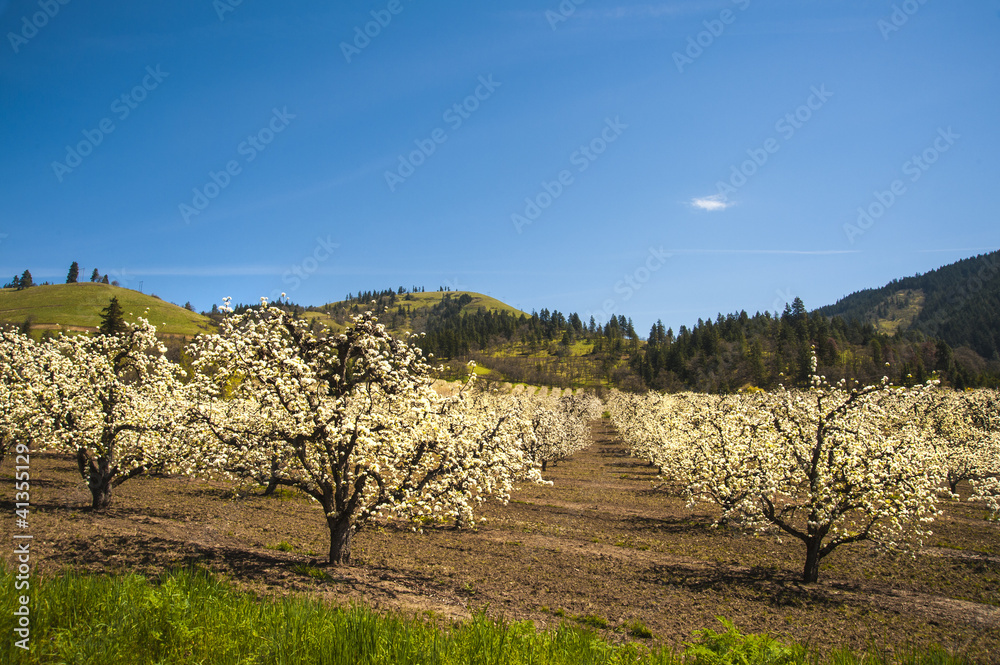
(192, 617)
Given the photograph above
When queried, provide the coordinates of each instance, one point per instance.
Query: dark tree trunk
(99, 477)
(101, 495)
(5, 445)
(810, 573)
(271, 486)
(544, 464)
(341, 536)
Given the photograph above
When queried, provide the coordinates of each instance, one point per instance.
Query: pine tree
(798, 308)
(104, 280)
(95, 276)
(26, 281)
(74, 273)
(112, 319)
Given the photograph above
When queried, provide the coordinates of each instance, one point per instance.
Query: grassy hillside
(419, 307)
(421, 301)
(78, 307)
(424, 300)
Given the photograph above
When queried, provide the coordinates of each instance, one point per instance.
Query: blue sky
(659, 160)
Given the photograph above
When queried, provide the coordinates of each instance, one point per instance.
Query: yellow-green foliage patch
(899, 311)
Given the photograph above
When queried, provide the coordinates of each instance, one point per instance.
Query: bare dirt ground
(602, 541)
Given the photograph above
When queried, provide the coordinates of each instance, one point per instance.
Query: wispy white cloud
(648, 10)
(712, 203)
(131, 274)
(263, 270)
(958, 249)
(624, 12)
(797, 252)
(207, 271)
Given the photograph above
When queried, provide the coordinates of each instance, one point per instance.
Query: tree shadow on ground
(774, 586)
(145, 554)
(673, 525)
(606, 450)
(634, 464)
(152, 557)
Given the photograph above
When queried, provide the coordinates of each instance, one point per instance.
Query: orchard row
(350, 419)
(830, 465)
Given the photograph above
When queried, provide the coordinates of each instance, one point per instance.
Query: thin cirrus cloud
(208, 271)
(647, 10)
(630, 11)
(713, 203)
(793, 252)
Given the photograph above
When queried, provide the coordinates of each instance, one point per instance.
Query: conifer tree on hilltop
(26, 281)
(95, 276)
(74, 273)
(112, 319)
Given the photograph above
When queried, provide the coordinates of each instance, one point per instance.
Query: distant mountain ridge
(958, 303)
(945, 323)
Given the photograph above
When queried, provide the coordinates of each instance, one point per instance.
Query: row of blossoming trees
(830, 465)
(350, 419)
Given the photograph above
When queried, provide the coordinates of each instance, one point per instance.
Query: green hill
(479, 301)
(78, 307)
(407, 312)
(539, 348)
(427, 300)
(958, 303)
